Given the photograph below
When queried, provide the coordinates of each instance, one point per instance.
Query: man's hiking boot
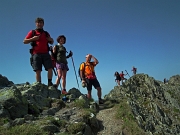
(55, 86)
(64, 91)
(101, 102)
(50, 84)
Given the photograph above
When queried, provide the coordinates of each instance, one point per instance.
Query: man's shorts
(62, 66)
(41, 59)
(92, 82)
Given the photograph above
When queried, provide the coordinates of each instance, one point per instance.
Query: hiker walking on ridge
(122, 76)
(39, 40)
(87, 74)
(61, 62)
(134, 70)
(118, 78)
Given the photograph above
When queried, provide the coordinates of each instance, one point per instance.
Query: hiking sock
(50, 82)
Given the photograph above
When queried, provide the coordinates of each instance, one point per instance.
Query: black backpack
(34, 43)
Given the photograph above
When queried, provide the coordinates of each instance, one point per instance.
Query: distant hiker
(134, 70)
(39, 40)
(118, 78)
(122, 76)
(87, 74)
(61, 62)
(165, 80)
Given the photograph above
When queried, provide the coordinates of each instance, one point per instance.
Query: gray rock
(4, 82)
(51, 128)
(18, 121)
(75, 92)
(14, 102)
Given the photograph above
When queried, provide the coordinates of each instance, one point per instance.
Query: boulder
(4, 82)
(13, 103)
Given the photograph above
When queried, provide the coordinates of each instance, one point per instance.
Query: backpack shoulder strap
(33, 33)
(56, 48)
(47, 34)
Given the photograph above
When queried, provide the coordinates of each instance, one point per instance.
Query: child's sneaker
(64, 91)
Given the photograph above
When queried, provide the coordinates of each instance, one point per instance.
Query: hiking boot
(64, 91)
(50, 84)
(101, 101)
(55, 86)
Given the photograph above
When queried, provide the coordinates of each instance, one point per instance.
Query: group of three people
(120, 77)
(41, 57)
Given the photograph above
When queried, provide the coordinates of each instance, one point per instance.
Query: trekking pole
(127, 73)
(60, 86)
(75, 72)
(54, 72)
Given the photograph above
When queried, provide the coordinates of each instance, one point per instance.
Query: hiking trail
(109, 125)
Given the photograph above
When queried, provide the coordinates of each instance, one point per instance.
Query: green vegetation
(25, 129)
(3, 121)
(108, 104)
(76, 127)
(79, 103)
(86, 114)
(50, 119)
(124, 112)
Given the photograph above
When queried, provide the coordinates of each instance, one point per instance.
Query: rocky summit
(141, 106)
(154, 105)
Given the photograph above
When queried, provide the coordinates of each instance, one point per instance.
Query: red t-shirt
(41, 44)
(121, 75)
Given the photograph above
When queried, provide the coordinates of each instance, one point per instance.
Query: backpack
(34, 43)
(83, 70)
(54, 55)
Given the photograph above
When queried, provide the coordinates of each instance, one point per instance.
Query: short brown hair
(61, 36)
(39, 20)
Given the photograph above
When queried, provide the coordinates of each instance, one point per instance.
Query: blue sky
(119, 33)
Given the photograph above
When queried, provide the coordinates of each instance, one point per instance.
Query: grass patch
(3, 121)
(25, 129)
(76, 127)
(86, 114)
(50, 119)
(124, 112)
(79, 103)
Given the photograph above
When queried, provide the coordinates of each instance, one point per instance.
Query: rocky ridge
(152, 106)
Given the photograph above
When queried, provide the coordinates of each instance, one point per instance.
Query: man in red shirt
(40, 50)
(122, 76)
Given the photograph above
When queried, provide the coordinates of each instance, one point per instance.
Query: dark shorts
(62, 66)
(92, 82)
(118, 78)
(41, 59)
